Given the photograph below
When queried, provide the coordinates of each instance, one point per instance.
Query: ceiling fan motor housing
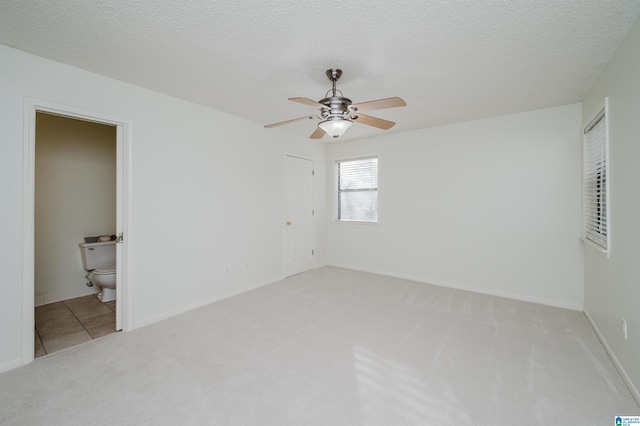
(337, 106)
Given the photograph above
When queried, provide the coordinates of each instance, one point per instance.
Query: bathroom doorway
(75, 201)
(76, 296)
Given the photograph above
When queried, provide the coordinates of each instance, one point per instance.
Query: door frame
(284, 209)
(124, 314)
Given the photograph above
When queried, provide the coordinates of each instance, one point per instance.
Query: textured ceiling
(449, 60)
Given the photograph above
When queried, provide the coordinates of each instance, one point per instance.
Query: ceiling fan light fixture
(335, 126)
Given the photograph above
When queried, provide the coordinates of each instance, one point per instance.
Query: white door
(119, 222)
(298, 251)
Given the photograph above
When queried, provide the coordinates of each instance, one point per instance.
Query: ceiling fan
(337, 113)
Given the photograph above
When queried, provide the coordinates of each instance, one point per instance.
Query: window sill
(589, 243)
(355, 223)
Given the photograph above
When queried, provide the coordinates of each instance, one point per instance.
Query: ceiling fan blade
(318, 134)
(373, 121)
(379, 104)
(282, 123)
(308, 102)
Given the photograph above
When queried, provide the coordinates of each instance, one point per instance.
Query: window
(358, 190)
(595, 181)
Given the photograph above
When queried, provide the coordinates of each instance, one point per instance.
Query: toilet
(100, 260)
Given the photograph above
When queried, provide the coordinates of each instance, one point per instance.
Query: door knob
(288, 222)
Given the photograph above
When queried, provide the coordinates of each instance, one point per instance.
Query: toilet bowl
(99, 259)
(105, 277)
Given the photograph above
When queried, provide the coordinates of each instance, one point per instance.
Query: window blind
(358, 190)
(595, 182)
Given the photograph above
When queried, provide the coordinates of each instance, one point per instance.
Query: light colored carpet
(332, 347)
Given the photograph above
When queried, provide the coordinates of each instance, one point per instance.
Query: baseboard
(507, 295)
(320, 265)
(58, 297)
(184, 309)
(616, 363)
(10, 365)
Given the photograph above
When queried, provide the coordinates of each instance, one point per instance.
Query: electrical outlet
(624, 328)
(411, 257)
(227, 269)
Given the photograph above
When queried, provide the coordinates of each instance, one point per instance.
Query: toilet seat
(105, 270)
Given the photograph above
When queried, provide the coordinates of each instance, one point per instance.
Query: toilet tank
(96, 255)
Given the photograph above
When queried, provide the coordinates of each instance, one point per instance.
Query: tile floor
(68, 323)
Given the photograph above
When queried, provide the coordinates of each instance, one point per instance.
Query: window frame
(336, 198)
(596, 228)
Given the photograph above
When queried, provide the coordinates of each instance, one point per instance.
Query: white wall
(207, 192)
(75, 197)
(491, 205)
(612, 286)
